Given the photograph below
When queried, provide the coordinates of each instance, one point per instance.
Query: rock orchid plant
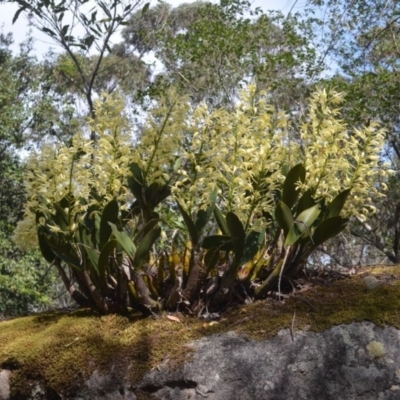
(204, 208)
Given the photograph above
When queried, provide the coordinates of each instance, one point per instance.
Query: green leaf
(145, 8)
(224, 243)
(156, 193)
(221, 221)
(48, 31)
(336, 205)
(203, 216)
(66, 201)
(253, 243)
(177, 164)
(63, 250)
(88, 41)
(88, 220)
(64, 30)
(145, 246)
(147, 228)
(302, 224)
(88, 245)
(61, 218)
(45, 249)
(109, 214)
(16, 15)
(283, 216)
(71, 261)
(306, 201)
(124, 240)
(57, 242)
(93, 257)
(136, 182)
(190, 225)
(103, 261)
(96, 232)
(105, 8)
(238, 235)
(290, 194)
(328, 229)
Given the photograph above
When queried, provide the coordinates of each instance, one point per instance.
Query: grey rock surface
(357, 361)
(4, 384)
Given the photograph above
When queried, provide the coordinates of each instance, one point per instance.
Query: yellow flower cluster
(162, 139)
(241, 152)
(337, 158)
(81, 168)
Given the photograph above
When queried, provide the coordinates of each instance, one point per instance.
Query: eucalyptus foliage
(24, 284)
(204, 208)
(361, 41)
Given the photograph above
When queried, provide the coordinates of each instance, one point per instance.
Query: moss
(63, 350)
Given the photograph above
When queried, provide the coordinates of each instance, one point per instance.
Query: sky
(42, 42)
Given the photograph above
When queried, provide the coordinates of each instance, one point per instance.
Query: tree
(60, 20)
(362, 38)
(26, 284)
(211, 50)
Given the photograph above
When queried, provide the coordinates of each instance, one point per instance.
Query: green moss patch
(63, 350)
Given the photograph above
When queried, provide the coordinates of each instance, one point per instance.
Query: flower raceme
(242, 153)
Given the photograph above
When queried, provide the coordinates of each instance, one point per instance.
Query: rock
(106, 387)
(81, 356)
(5, 384)
(356, 361)
(345, 362)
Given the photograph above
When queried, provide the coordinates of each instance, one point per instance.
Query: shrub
(204, 207)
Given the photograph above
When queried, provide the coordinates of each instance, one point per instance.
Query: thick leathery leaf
(336, 205)
(203, 216)
(194, 237)
(145, 229)
(156, 193)
(124, 240)
(290, 194)
(302, 224)
(71, 261)
(305, 201)
(145, 245)
(328, 228)
(104, 257)
(93, 257)
(253, 243)
(136, 182)
(88, 245)
(283, 217)
(61, 218)
(238, 235)
(45, 249)
(109, 214)
(222, 242)
(88, 220)
(58, 244)
(221, 221)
